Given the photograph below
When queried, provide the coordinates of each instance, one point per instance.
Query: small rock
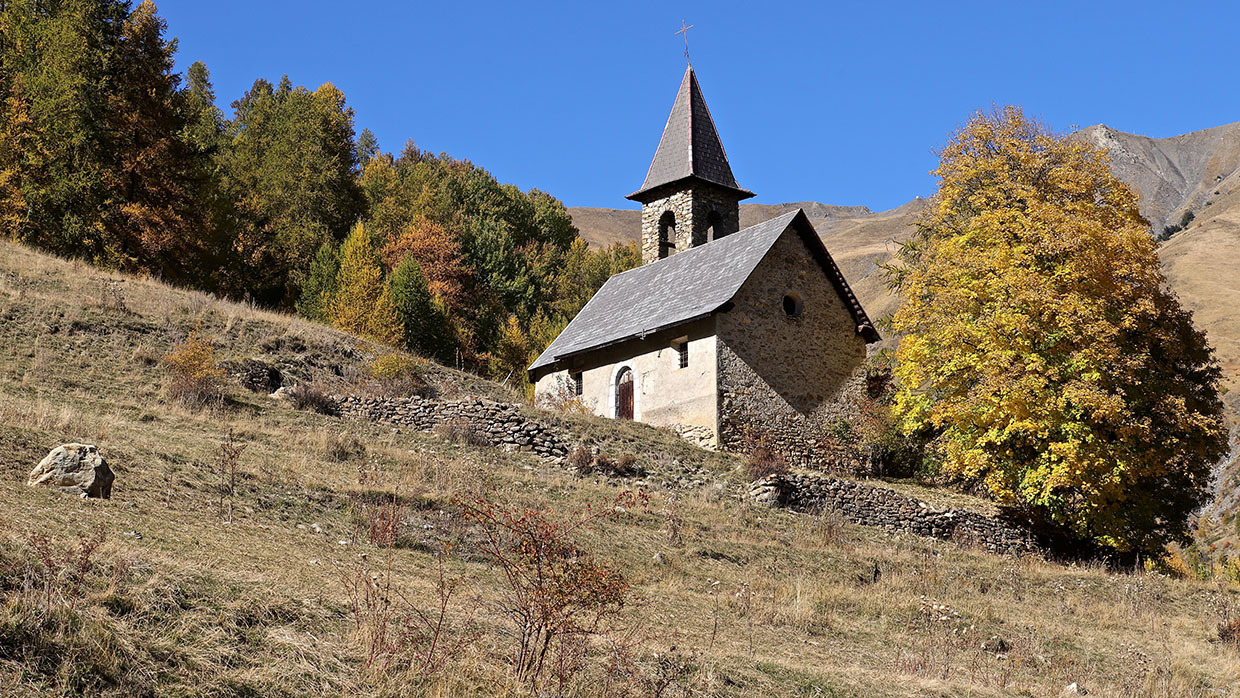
(74, 469)
(995, 644)
(659, 559)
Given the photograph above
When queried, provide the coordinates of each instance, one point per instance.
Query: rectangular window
(578, 384)
(683, 350)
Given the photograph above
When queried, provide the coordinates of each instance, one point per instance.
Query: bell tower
(689, 197)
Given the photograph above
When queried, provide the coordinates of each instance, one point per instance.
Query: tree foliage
(290, 168)
(108, 154)
(1040, 347)
(362, 303)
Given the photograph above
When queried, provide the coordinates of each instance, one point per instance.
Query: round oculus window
(793, 307)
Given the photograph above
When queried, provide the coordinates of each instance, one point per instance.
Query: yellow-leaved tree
(1040, 349)
(362, 302)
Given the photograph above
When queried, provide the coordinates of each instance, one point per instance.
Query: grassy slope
(765, 603)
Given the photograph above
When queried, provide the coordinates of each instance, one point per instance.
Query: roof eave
(647, 194)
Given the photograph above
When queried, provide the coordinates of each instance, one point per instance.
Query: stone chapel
(721, 332)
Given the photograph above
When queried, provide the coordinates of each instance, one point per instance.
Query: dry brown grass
(755, 602)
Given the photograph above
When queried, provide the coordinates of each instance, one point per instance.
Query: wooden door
(624, 395)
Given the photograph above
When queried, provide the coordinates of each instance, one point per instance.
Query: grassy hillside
(726, 600)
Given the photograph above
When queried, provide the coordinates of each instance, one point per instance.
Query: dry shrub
(56, 575)
(562, 398)
(1229, 631)
(379, 519)
(226, 468)
(342, 447)
(761, 458)
(396, 633)
(190, 374)
(307, 396)
(623, 466)
(823, 528)
(460, 431)
(558, 596)
(580, 459)
(397, 375)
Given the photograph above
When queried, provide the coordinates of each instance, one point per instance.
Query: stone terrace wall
(501, 424)
(884, 508)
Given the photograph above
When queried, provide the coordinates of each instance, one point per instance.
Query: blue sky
(842, 103)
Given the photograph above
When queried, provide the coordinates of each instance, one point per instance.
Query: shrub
(761, 458)
(558, 595)
(191, 375)
(396, 632)
(580, 459)
(563, 398)
(307, 396)
(397, 375)
(1229, 631)
(342, 447)
(379, 519)
(624, 466)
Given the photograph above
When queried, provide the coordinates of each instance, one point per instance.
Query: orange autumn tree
(1040, 348)
(438, 253)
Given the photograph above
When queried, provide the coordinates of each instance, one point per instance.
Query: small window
(793, 307)
(578, 384)
(682, 354)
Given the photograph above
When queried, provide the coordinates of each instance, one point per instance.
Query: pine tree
(319, 289)
(1040, 348)
(363, 304)
(367, 147)
(22, 163)
(151, 220)
(57, 55)
(291, 168)
(424, 325)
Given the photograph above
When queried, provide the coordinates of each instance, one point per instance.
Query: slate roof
(687, 286)
(690, 147)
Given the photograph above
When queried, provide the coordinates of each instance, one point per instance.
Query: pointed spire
(690, 147)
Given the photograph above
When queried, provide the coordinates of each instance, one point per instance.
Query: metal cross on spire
(684, 29)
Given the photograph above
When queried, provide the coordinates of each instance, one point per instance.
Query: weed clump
(397, 375)
(307, 396)
(761, 458)
(460, 431)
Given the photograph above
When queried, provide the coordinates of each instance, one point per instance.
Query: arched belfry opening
(667, 234)
(714, 226)
(689, 175)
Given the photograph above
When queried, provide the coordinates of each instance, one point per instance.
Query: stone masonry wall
(692, 208)
(878, 506)
(501, 424)
(789, 379)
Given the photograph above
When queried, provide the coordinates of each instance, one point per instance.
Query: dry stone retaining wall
(500, 424)
(878, 506)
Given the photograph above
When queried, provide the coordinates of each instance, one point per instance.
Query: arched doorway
(624, 394)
